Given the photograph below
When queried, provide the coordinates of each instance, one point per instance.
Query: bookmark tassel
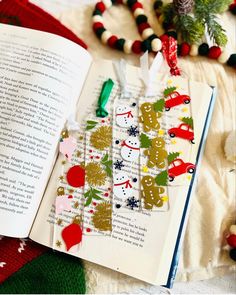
(101, 112)
(169, 50)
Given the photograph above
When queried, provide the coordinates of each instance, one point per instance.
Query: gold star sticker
(78, 154)
(165, 198)
(145, 169)
(180, 152)
(59, 221)
(173, 141)
(189, 177)
(161, 132)
(58, 243)
(177, 87)
(169, 82)
(180, 118)
(81, 138)
(61, 177)
(76, 205)
(70, 191)
(63, 162)
(184, 110)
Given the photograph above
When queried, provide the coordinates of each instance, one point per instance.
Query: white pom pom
(128, 46)
(105, 36)
(223, 57)
(97, 18)
(193, 50)
(230, 147)
(232, 229)
(138, 11)
(107, 3)
(147, 33)
(156, 45)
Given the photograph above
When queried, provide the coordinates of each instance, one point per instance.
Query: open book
(43, 79)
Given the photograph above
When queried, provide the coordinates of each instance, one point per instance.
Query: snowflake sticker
(132, 203)
(133, 131)
(119, 165)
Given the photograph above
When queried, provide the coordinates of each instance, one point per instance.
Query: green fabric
(101, 112)
(50, 273)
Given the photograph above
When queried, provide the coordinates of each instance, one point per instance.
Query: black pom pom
(165, 26)
(178, 49)
(157, 4)
(120, 44)
(141, 19)
(146, 45)
(97, 12)
(130, 3)
(113, 1)
(152, 37)
(232, 254)
(232, 60)
(118, 206)
(233, 10)
(172, 34)
(99, 32)
(203, 49)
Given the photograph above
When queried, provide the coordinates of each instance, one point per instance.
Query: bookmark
(153, 155)
(98, 167)
(126, 148)
(69, 201)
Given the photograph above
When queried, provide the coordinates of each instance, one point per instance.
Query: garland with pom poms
(165, 15)
(150, 41)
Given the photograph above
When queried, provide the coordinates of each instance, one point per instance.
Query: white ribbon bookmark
(148, 73)
(120, 68)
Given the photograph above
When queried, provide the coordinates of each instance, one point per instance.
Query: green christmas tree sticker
(169, 90)
(172, 156)
(159, 105)
(162, 178)
(145, 141)
(188, 121)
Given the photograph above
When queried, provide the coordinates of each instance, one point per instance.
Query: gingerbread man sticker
(157, 154)
(149, 117)
(151, 193)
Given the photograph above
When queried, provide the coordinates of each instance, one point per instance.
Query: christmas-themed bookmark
(98, 167)
(126, 148)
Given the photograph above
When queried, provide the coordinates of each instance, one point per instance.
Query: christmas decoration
(124, 116)
(101, 138)
(172, 156)
(162, 178)
(63, 203)
(91, 124)
(132, 203)
(67, 145)
(159, 105)
(130, 149)
(133, 131)
(108, 165)
(122, 187)
(150, 42)
(169, 90)
(102, 217)
(72, 234)
(178, 167)
(95, 175)
(145, 141)
(91, 195)
(76, 176)
(119, 165)
(157, 155)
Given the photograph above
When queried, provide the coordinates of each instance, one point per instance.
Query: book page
(41, 76)
(138, 238)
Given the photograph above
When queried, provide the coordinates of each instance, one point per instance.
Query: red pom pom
(142, 27)
(112, 41)
(231, 240)
(164, 37)
(97, 25)
(214, 52)
(136, 47)
(232, 6)
(136, 5)
(76, 176)
(101, 6)
(184, 49)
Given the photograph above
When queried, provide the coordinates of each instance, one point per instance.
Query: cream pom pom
(230, 147)
(223, 57)
(232, 229)
(105, 36)
(156, 44)
(194, 50)
(138, 11)
(147, 33)
(128, 46)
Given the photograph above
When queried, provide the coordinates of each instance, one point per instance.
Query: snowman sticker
(124, 116)
(130, 149)
(122, 187)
